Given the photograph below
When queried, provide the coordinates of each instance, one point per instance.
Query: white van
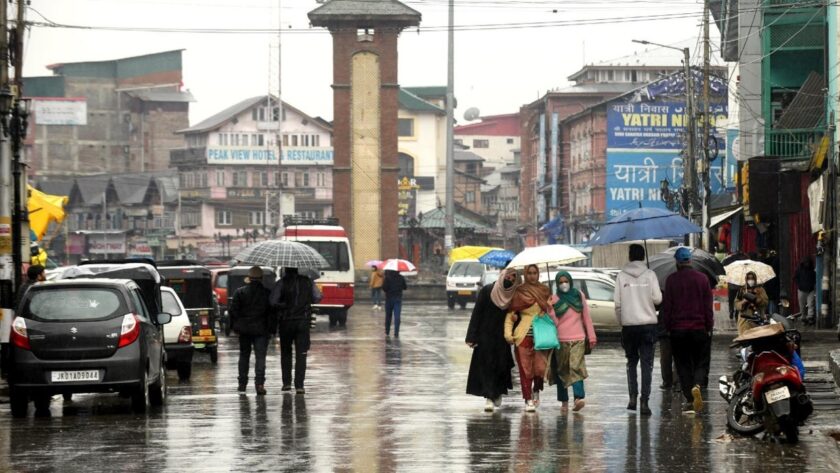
(337, 281)
(463, 282)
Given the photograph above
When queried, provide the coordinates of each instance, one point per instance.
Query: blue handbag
(545, 333)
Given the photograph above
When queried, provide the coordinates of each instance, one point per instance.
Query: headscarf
(528, 294)
(502, 296)
(567, 300)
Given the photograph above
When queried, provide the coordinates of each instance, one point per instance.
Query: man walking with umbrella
(250, 317)
(688, 316)
(636, 296)
(292, 297)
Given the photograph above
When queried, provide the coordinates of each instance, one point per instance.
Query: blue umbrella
(644, 223)
(497, 258)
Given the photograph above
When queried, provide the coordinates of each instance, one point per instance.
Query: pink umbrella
(400, 265)
(374, 262)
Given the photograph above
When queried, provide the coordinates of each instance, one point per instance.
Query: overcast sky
(496, 70)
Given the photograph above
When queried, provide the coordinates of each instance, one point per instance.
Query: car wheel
(184, 370)
(342, 318)
(157, 391)
(68, 396)
(214, 354)
(19, 401)
(42, 403)
(140, 396)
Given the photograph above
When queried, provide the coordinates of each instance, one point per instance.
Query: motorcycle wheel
(739, 421)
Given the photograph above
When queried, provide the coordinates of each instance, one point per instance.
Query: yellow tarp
(43, 209)
(469, 252)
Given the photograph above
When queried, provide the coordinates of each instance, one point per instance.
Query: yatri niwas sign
(266, 156)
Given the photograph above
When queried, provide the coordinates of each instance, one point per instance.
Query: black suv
(86, 335)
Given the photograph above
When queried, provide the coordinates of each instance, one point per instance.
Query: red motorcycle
(774, 398)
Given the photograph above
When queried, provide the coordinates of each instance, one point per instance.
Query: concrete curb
(834, 365)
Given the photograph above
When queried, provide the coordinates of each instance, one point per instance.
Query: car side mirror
(164, 318)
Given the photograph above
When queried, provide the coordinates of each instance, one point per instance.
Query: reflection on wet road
(377, 404)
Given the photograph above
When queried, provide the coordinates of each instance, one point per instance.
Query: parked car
(177, 334)
(219, 282)
(462, 282)
(599, 289)
(86, 335)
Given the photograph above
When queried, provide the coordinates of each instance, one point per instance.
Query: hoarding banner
(655, 125)
(60, 111)
(265, 156)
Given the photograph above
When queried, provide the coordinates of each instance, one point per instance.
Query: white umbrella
(736, 272)
(548, 255)
(400, 265)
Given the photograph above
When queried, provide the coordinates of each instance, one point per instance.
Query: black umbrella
(733, 258)
(664, 265)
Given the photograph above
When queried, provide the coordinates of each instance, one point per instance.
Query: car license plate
(464, 293)
(777, 395)
(205, 332)
(74, 376)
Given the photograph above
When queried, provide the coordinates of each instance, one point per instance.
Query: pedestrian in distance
(636, 296)
(491, 362)
(34, 274)
(529, 300)
(393, 286)
(291, 298)
(574, 331)
(376, 280)
(688, 316)
(806, 287)
(252, 319)
(751, 303)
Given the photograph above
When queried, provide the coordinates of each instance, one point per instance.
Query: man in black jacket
(250, 315)
(292, 298)
(393, 287)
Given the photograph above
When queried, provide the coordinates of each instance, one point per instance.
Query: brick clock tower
(365, 103)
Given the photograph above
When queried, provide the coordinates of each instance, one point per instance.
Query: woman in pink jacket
(574, 327)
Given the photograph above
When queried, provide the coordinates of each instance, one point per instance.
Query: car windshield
(170, 303)
(335, 252)
(468, 269)
(221, 281)
(194, 293)
(74, 303)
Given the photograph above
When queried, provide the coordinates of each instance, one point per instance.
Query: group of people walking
(258, 314)
(504, 315)
(505, 312)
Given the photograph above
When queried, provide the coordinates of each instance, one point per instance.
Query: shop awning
(722, 217)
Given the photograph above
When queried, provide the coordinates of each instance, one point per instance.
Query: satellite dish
(471, 114)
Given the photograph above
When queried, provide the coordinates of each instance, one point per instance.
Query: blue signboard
(655, 125)
(633, 177)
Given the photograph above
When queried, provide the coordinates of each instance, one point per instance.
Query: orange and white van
(337, 281)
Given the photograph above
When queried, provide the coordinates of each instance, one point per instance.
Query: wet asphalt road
(399, 405)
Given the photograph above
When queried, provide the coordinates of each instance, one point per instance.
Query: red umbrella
(400, 265)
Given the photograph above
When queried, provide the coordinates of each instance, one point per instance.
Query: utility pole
(6, 266)
(18, 125)
(279, 184)
(707, 187)
(449, 235)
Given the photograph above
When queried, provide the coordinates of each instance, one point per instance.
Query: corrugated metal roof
(414, 103)
(220, 118)
(56, 186)
(356, 11)
(429, 91)
(91, 188)
(46, 86)
(436, 219)
(157, 95)
(598, 88)
(807, 108)
(467, 156)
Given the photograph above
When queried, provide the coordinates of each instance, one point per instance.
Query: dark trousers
(376, 295)
(707, 361)
(294, 332)
(689, 351)
(639, 343)
(260, 346)
(666, 363)
(393, 308)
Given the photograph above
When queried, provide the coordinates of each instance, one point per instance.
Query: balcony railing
(792, 144)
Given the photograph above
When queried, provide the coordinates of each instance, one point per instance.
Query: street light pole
(691, 123)
(449, 234)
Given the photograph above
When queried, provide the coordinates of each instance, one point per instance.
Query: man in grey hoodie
(636, 296)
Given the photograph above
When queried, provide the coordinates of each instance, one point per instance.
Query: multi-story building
(495, 138)
(231, 182)
(107, 116)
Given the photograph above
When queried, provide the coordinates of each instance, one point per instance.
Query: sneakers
(260, 390)
(564, 407)
(697, 401)
(631, 406)
(665, 387)
(498, 401)
(489, 406)
(529, 406)
(645, 409)
(300, 391)
(286, 388)
(241, 388)
(579, 404)
(687, 408)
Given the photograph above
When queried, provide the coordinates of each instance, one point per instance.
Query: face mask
(564, 286)
(750, 282)
(507, 283)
